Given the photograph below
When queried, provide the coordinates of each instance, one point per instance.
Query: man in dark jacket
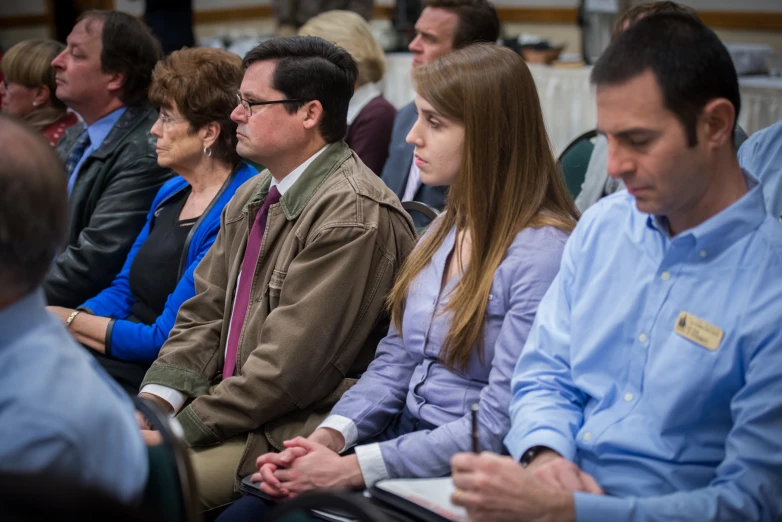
(110, 159)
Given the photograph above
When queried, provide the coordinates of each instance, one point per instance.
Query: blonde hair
(29, 63)
(508, 180)
(351, 32)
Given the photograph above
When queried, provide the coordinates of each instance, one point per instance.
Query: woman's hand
(268, 464)
(318, 468)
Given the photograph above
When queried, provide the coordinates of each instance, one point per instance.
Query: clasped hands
(305, 464)
(495, 488)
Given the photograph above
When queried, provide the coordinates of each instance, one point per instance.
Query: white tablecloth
(568, 100)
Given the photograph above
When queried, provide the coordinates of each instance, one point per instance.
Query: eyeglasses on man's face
(248, 105)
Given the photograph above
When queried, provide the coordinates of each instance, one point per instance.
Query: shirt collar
(363, 95)
(290, 179)
(722, 230)
(101, 128)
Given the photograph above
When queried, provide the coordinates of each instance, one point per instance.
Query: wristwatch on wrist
(530, 454)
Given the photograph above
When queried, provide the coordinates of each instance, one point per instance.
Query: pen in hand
(474, 411)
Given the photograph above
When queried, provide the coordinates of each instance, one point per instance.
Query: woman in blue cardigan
(126, 324)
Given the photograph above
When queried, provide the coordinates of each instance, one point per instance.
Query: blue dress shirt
(97, 132)
(761, 156)
(60, 413)
(671, 430)
(407, 371)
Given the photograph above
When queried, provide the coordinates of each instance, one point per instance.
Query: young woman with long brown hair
(466, 297)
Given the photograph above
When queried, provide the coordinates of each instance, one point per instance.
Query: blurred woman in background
(370, 116)
(28, 87)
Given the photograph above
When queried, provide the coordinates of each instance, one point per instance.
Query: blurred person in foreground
(370, 115)
(60, 414)
(110, 161)
(28, 88)
(126, 324)
(650, 388)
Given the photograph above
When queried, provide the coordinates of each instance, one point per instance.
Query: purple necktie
(242, 300)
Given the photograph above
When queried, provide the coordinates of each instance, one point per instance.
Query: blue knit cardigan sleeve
(140, 342)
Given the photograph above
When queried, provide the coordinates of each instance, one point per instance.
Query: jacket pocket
(275, 288)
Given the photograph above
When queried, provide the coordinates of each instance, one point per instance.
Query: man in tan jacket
(290, 298)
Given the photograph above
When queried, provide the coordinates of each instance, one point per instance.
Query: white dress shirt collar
(288, 181)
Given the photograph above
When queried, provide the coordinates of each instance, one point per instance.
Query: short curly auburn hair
(202, 84)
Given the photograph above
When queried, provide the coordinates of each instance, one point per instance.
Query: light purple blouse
(407, 372)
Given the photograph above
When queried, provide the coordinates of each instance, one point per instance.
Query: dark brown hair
(202, 83)
(478, 20)
(310, 68)
(129, 48)
(690, 63)
(639, 11)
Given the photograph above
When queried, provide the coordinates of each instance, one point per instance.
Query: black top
(154, 272)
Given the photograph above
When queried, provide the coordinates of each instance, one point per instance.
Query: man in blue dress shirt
(650, 387)
(61, 416)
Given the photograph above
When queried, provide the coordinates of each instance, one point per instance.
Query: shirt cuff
(174, 397)
(370, 460)
(344, 426)
(541, 437)
(599, 508)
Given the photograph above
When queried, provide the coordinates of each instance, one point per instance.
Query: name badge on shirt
(698, 331)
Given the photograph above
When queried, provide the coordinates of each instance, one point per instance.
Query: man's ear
(719, 118)
(116, 82)
(313, 113)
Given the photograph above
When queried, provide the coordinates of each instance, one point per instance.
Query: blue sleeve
(381, 391)
(116, 301)
(746, 485)
(140, 342)
(546, 407)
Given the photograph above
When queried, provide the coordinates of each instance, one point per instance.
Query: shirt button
(703, 253)
(588, 436)
(642, 338)
(628, 397)
(665, 276)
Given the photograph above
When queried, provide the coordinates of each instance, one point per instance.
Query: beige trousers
(215, 469)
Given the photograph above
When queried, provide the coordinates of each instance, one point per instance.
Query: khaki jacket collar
(299, 195)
